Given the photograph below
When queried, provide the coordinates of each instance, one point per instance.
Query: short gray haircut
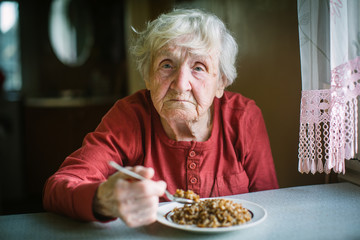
(205, 32)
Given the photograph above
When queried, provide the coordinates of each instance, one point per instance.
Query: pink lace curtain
(329, 34)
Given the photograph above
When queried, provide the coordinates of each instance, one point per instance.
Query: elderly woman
(183, 132)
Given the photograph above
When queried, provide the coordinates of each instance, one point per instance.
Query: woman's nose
(181, 81)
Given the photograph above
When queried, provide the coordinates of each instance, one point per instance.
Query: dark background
(41, 128)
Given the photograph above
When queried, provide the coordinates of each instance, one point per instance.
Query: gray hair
(205, 32)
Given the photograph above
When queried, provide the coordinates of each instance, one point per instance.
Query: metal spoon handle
(126, 171)
(139, 177)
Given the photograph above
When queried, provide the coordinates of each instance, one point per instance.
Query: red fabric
(235, 159)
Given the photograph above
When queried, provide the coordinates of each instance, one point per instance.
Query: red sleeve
(258, 162)
(78, 206)
(71, 189)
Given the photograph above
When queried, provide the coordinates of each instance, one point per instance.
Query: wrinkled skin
(135, 202)
(183, 86)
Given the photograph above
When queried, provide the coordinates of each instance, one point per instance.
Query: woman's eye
(198, 69)
(166, 66)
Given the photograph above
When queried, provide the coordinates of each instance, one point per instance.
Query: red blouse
(235, 159)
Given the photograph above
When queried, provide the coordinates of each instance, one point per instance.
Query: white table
(330, 211)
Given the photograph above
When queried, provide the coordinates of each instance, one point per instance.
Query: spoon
(139, 177)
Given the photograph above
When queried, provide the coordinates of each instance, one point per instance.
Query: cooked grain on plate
(189, 194)
(211, 213)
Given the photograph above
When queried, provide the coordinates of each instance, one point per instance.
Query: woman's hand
(135, 202)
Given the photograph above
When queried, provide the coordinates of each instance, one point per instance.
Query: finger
(152, 188)
(141, 218)
(134, 204)
(140, 211)
(144, 171)
(139, 189)
(115, 190)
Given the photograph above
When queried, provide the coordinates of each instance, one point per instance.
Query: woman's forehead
(180, 51)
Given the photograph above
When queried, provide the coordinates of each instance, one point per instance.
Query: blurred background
(63, 64)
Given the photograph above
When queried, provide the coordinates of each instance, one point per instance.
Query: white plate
(258, 215)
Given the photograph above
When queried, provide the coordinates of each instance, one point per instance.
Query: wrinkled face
(183, 84)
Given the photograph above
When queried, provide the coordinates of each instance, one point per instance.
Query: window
(10, 65)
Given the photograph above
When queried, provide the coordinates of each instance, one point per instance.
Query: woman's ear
(221, 86)
(147, 84)
(147, 73)
(146, 77)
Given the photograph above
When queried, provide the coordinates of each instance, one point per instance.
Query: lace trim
(329, 122)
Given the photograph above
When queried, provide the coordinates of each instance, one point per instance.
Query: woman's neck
(199, 130)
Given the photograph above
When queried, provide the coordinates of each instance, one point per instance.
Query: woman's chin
(180, 115)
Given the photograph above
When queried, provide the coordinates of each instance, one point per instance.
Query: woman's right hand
(135, 202)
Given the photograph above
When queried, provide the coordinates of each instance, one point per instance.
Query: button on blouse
(192, 153)
(192, 165)
(193, 180)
